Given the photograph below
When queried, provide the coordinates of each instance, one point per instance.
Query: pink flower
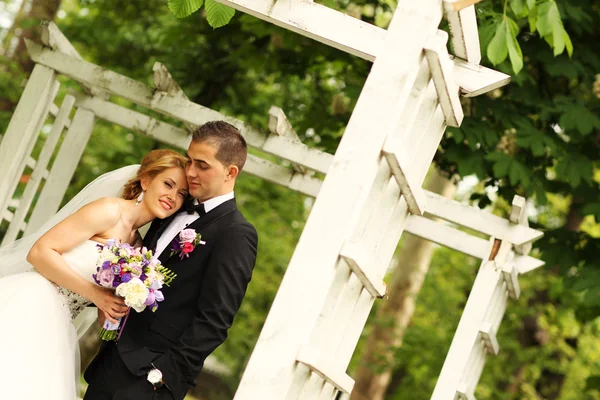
(187, 248)
(105, 277)
(187, 236)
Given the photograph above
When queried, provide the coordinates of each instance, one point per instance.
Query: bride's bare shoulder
(108, 207)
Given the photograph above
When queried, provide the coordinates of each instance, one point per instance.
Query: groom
(159, 355)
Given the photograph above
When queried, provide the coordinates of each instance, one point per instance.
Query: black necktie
(195, 208)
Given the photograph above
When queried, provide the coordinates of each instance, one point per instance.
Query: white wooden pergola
(370, 195)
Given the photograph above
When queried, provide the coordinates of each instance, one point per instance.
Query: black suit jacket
(200, 304)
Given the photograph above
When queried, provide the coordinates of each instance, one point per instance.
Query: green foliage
(184, 8)
(217, 14)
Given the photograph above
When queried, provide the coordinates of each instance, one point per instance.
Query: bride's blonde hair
(153, 164)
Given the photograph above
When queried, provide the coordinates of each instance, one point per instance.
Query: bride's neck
(138, 216)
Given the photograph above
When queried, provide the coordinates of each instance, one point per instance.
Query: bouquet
(136, 276)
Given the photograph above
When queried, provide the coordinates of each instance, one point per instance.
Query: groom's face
(207, 177)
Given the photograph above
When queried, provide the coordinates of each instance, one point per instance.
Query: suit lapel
(201, 223)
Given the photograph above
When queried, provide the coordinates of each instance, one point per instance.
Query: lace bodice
(83, 260)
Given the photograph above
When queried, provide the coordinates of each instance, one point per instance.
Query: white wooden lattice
(371, 193)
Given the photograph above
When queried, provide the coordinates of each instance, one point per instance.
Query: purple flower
(126, 277)
(116, 269)
(106, 264)
(150, 299)
(158, 295)
(111, 242)
(155, 285)
(175, 245)
(106, 277)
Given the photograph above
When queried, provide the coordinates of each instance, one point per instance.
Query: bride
(41, 296)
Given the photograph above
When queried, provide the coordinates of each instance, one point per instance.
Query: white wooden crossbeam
(326, 369)
(174, 136)
(412, 192)
(353, 36)
(475, 80)
(443, 78)
(176, 107)
(357, 259)
(479, 220)
(53, 38)
(281, 126)
(167, 86)
(518, 215)
(463, 28)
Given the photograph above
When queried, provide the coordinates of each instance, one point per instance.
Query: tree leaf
(518, 7)
(497, 50)
(217, 14)
(184, 8)
(514, 50)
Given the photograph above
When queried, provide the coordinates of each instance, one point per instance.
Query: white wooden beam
(479, 220)
(56, 40)
(177, 137)
(463, 28)
(358, 260)
(39, 172)
(442, 74)
(412, 192)
(53, 38)
(281, 126)
(63, 168)
(167, 86)
(326, 369)
(312, 269)
(175, 107)
(475, 80)
(445, 235)
(346, 33)
(518, 215)
(467, 337)
(22, 129)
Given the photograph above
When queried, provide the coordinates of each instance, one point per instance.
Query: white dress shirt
(183, 219)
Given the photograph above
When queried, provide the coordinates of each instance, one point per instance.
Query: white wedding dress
(41, 323)
(38, 341)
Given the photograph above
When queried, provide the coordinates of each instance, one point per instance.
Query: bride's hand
(112, 305)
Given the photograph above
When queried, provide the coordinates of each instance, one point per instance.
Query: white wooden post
(63, 168)
(283, 358)
(21, 130)
(40, 172)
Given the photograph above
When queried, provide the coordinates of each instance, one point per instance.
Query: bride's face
(166, 192)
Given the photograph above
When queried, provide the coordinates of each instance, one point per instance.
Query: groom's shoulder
(238, 222)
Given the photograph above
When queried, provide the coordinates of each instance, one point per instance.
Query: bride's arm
(46, 254)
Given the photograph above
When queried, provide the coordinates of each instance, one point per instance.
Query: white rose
(135, 294)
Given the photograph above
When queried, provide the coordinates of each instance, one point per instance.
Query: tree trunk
(25, 25)
(376, 367)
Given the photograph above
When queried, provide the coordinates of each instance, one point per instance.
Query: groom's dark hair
(227, 139)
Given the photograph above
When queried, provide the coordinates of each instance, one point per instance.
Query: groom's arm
(229, 270)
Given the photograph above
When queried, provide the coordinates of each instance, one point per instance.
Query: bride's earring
(139, 199)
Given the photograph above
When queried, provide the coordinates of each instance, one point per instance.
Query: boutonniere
(185, 243)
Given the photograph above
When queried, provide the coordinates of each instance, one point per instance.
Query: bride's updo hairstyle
(154, 163)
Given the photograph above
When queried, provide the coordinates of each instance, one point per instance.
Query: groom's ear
(232, 172)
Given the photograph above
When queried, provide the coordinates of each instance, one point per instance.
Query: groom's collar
(215, 201)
